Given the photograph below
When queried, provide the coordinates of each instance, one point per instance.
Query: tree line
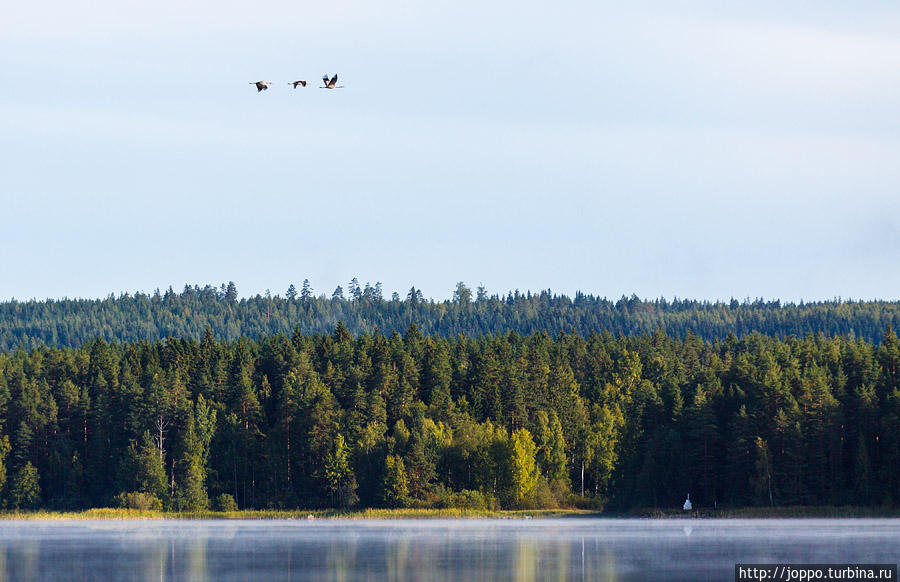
(511, 420)
(363, 308)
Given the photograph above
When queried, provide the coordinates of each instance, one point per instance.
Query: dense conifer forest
(420, 420)
(363, 308)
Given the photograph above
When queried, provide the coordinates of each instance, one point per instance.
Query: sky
(671, 148)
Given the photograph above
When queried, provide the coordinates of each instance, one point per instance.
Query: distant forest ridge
(363, 308)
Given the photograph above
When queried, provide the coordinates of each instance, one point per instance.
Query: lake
(439, 549)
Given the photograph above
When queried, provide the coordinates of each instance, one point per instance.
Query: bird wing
(333, 80)
(325, 78)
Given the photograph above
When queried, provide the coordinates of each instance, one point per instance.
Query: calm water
(573, 549)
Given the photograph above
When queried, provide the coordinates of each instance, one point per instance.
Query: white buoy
(687, 503)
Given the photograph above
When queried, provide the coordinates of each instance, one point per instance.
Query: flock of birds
(329, 84)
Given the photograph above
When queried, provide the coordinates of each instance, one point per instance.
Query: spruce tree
(340, 481)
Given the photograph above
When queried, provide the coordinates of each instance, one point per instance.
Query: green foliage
(543, 496)
(415, 420)
(465, 499)
(139, 500)
(601, 450)
(339, 476)
(762, 478)
(142, 469)
(551, 447)
(4, 453)
(159, 315)
(224, 502)
(523, 471)
(862, 478)
(394, 488)
(191, 493)
(25, 489)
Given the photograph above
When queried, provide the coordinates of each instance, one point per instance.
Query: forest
(337, 419)
(364, 309)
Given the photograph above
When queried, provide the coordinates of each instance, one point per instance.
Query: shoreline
(798, 512)
(782, 512)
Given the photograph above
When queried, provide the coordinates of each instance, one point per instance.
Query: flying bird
(261, 85)
(295, 83)
(332, 83)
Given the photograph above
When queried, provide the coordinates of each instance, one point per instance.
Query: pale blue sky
(690, 149)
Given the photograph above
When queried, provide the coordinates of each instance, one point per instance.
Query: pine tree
(353, 288)
(862, 473)
(462, 294)
(306, 292)
(231, 292)
(740, 459)
(762, 477)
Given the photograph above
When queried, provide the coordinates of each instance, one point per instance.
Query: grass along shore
(119, 513)
(735, 513)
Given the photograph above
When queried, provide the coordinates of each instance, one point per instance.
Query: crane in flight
(261, 85)
(296, 83)
(331, 83)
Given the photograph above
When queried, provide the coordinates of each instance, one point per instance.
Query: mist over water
(489, 549)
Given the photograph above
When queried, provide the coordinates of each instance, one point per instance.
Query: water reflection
(560, 549)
